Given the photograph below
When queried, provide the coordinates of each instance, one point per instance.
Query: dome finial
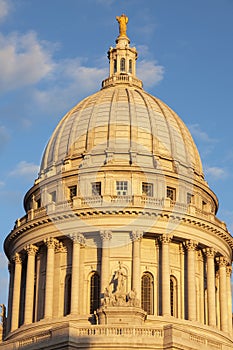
(122, 20)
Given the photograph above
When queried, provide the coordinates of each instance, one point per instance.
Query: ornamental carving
(106, 235)
(31, 249)
(166, 238)
(60, 248)
(209, 252)
(229, 271)
(50, 242)
(78, 238)
(136, 235)
(221, 261)
(17, 259)
(191, 245)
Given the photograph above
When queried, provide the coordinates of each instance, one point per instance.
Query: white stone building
(120, 246)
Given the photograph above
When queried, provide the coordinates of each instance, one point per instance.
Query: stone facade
(120, 246)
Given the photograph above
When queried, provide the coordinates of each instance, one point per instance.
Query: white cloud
(24, 168)
(24, 60)
(150, 72)
(4, 136)
(4, 9)
(216, 173)
(2, 183)
(200, 134)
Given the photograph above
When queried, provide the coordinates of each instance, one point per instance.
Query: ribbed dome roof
(123, 119)
(120, 119)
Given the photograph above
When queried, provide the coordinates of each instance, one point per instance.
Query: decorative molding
(78, 238)
(51, 242)
(31, 249)
(17, 259)
(191, 245)
(136, 235)
(166, 238)
(106, 235)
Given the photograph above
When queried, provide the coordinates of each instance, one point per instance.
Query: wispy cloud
(4, 136)
(215, 172)
(150, 72)
(26, 169)
(5, 6)
(200, 134)
(24, 60)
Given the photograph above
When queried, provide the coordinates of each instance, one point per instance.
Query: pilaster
(30, 276)
(191, 279)
(166, 302)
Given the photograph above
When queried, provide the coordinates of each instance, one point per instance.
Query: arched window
(94, 292)
(147, 290)
(122, 65)
(173, 296)
(67, 295)
(130, 66)
(115, 66)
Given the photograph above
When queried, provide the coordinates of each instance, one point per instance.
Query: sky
(54, 53)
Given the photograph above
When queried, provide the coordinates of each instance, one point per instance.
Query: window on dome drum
(147, 291)
(96, 188)
(147, 189)
(67, 295)
(189, 198)
(72, 192)
(130, 66)
(94, 292)
(173, 296)
(122, 188)
(204, 205)
(115, 66)
(171, 193)
(53, 196)
(38, 203)
(122, 65)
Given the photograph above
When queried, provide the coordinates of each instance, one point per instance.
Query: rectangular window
(72, 192)
(122, 188)
(171, 193)
(204, 205)
(189, 198)
(147, 189)
(53, 196)
(96, 188)
(38, 203)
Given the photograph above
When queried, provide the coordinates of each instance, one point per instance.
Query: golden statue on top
(122, 20)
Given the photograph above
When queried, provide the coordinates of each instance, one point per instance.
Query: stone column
(9, 306)
(136, 237)
(229, 298)
(211, 289)
(29, 294)
(78, 240)
(106, 236)
(166, 300)
(191, 278)
(50, 243)
(222, 263)
(16, 292)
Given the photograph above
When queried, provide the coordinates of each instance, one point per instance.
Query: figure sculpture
(122, 20)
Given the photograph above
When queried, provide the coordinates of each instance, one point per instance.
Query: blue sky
(53, 54)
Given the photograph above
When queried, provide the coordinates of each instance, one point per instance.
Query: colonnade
(224, 275)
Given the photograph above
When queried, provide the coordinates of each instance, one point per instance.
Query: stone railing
(119, 79)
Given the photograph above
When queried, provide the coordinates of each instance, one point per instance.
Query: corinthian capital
(31, 249)
(166, 238)
(229, 271)
(50, 242)
(17, 259)
(136, 235)
(222, 261)
(191, 245)
(209, 252)
(106, 235)
(78, 238)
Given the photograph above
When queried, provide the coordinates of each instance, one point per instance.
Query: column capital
(209, 252)
(17, 259)
(136, 235)
(78, 238)
(229, 271)
(50, 242)
(165, 238)
(106, 235)
(222, 261)
(191, 245)
(31, 249)
(60, 248)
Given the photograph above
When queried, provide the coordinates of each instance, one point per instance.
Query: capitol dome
(120, 246)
